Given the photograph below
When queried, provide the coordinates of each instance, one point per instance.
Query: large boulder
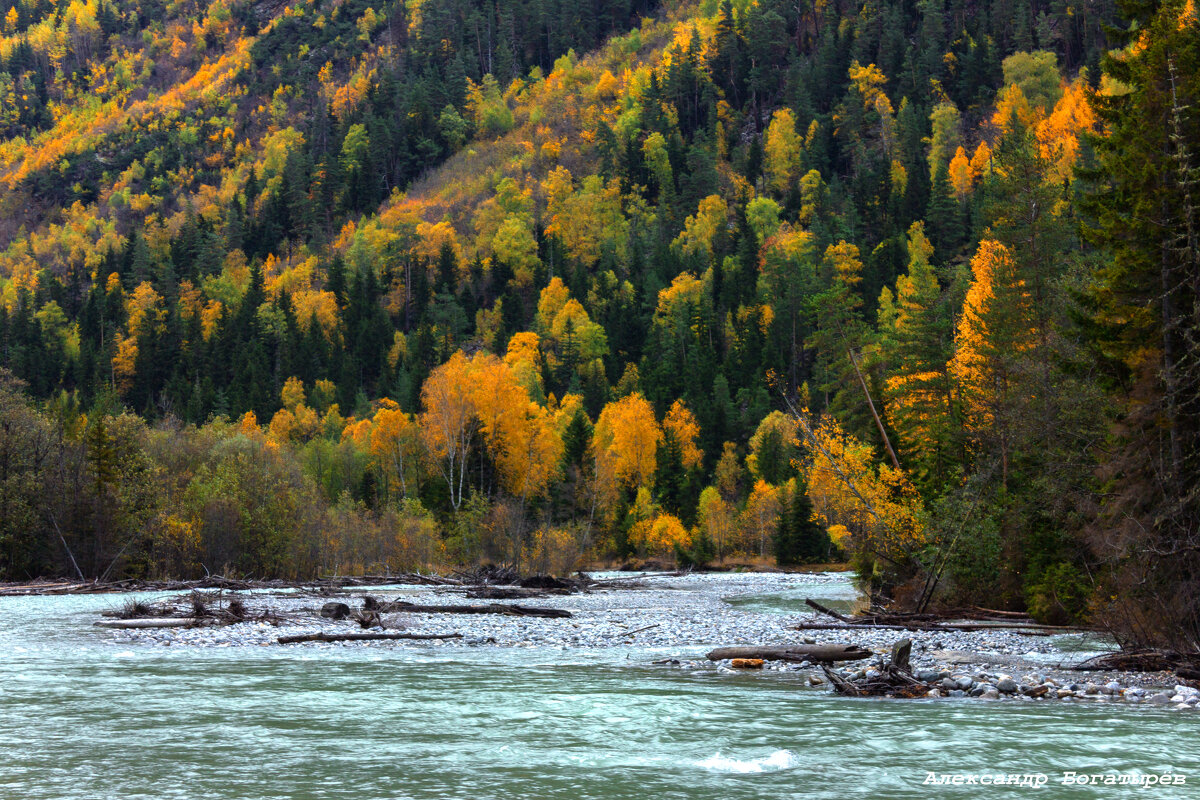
(335, 610)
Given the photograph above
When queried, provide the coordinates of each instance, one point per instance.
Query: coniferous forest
(299, 288)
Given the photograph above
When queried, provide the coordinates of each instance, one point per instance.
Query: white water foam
(779, 760)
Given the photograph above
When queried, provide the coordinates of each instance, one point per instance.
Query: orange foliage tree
(625, 445)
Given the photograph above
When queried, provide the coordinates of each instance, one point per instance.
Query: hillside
(541, 282)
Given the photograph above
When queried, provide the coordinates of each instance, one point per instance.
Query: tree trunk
(491, 608)
(796, 652)
(362, 637)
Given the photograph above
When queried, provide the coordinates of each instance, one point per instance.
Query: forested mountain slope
(563, 279)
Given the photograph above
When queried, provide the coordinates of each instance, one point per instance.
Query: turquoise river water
(84, 716)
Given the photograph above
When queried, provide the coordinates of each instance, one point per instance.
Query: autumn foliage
(374, 285)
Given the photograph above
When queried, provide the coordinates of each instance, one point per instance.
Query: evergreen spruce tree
(670, 477)
(800, 539)
(944, 216)
(812, 540)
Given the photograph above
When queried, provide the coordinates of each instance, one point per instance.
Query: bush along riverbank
(672, 620)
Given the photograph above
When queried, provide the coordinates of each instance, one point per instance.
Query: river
(83, 715)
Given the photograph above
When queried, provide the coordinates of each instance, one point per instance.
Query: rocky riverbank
(674, 620)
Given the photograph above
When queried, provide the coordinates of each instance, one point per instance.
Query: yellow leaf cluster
(848, 486)
(660, 536)
(625, 444)
(701, 228)
(1059, 133)
(782, 150)
(682, 424)
(760, 518)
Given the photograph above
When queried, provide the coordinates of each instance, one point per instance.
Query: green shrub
(1060, 595)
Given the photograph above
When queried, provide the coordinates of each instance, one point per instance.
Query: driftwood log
(827, 653)
(1013, 621)
(901, 653)
(362, 637)
(1046, 630)
(829, 612)
(509, 592)
(491, 608)
(1185, 665)
(894, 679)
(156, 622)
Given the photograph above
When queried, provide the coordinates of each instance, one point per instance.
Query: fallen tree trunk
(490, 608)
(1007, 620)
(362, 637)
(508, 593)
(36, 588)
(808, 601)
(994, 612)
(937, 626)
(828, 653)
(155, 622)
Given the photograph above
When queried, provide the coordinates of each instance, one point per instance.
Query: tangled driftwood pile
(1185, 665)
(197, 609)
(893, 679)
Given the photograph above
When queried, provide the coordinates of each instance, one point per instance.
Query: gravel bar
(674, 620)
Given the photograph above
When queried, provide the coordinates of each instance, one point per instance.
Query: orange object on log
(747, 663)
